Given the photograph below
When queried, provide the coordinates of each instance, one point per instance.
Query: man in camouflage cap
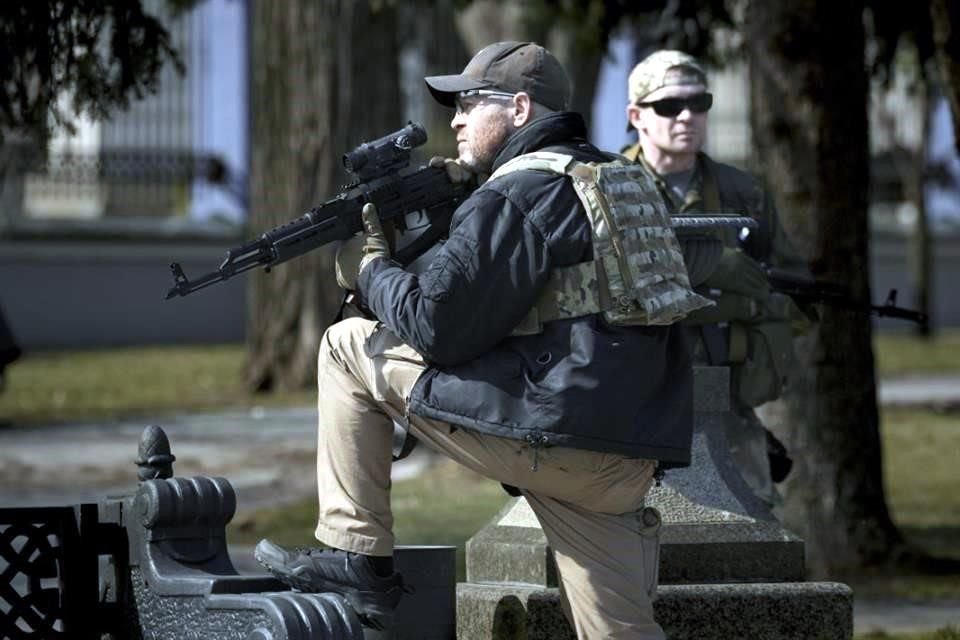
(664, 68)
(750, 329)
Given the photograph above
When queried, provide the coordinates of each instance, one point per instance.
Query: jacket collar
(552, 129)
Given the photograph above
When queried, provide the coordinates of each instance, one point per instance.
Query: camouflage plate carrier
(637, 276)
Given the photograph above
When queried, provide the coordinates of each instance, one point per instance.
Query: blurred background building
(89, 226)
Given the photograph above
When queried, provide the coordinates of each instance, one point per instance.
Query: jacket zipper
(536, 440)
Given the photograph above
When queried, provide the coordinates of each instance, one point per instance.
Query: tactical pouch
(650, 522)
(761, 375)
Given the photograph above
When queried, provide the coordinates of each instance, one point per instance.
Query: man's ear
(633, 116)
(523, 109)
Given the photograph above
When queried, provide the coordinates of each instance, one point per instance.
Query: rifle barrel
(803, 287)
(683, 223)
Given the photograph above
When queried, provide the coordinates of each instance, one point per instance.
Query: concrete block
(756, 552)
(711, 389)
(429, 613)
(512, 548)
(780, 611)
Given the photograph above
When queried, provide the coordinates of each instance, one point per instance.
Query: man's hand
(360, 250)
(737, 272)
(457, 172)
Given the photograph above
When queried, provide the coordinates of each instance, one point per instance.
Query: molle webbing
(638, 276)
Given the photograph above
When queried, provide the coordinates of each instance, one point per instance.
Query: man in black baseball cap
(510, 67)
(552, 407)
(522, 76)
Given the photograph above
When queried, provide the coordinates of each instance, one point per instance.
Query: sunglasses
(671, 107)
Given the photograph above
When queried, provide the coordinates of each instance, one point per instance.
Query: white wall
(221, 125)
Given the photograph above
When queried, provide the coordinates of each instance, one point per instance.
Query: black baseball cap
(511, 67)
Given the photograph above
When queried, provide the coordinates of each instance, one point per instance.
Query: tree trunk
(809, 91)
(945, 17)
(324, 79)
(431, 47)
(921, 241)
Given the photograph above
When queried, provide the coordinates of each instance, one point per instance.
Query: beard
(478, 151)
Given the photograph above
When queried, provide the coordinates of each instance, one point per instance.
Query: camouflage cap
(511, 67)
(663, 68)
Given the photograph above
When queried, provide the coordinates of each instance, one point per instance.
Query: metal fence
(144, 162)
(48, 572)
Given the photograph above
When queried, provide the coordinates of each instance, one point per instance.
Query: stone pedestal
(771, 611)
(727, 567)
(715, 528)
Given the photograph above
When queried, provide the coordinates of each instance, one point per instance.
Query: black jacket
(579, 383)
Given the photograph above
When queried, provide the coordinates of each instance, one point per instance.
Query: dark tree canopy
(683, 24)
(892, 23)
(99, 53)
(691, 25)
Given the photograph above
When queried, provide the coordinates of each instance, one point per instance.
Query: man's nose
(459, 120)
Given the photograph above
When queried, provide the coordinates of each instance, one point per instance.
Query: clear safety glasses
(467, 100)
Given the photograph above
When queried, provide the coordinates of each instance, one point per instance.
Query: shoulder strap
(571, 291)
(709, 186)
(537, 161)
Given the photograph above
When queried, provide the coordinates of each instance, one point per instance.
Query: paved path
(920, 390)
(262, 453)
(892, 615)
(268, 456)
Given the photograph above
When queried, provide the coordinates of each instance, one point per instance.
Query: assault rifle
(382, 176)
(805, 289)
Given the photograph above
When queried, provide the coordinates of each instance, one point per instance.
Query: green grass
(49, 387)
(946, 633)
(900, 354)
(444, 506)
(921, 476)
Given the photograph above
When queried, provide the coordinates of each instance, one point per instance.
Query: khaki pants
(588, 503)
